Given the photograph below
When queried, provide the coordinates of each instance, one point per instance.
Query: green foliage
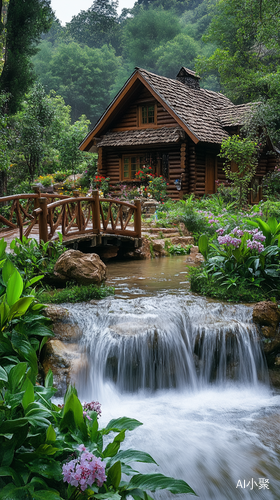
(33, 258)
(80, 74)
(243, 153)
(176, 249)
(96, 26)
(170, 56)
(242, 264)
(75, 293)
(271, 184)
(25, 23)
(146, 31)
(203, 245)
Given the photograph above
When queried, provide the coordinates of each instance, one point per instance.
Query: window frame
(138, 165)
(140, 121)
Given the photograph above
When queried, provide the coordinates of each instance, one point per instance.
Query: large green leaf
(46, 495)
(3, 246)
(3, 374)
(111, 449)
(154, 482)
(7, 271)
(50, 469)
(72, 414)
(108, 496)
(203, 245)
(12, 492)
(272, 222)
(114, 475)
(20, 307)
(9, 471)
(123, 423)
(11, 426)
(28, 396)
(16, 376)
(127, 456)
(14, 288)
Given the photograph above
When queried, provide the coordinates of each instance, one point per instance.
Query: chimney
(189, 78)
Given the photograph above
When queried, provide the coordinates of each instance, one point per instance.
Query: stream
(192, 370)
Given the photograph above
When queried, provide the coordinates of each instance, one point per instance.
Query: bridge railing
(20, 208)
(82, 215)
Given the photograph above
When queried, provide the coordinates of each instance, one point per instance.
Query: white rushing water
(193, 372)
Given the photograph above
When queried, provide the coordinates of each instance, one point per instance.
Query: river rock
(266, 314)
(83, 268)
(158, 246)
(55, 313)
(64, 360)
(141, 253)
(182, 240)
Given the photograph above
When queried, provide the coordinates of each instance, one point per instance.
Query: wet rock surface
(83, 268)
(267, 316)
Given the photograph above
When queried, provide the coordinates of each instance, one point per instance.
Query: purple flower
(85, 470)
(259, 236)
(229, 240)
(220, 231)
(93, 406)
(255, 245)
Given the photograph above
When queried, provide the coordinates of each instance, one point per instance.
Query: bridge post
(95, 211)
(137, 218)
(37, 191)
(43, 223)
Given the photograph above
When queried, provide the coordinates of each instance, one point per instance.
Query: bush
(33, 258)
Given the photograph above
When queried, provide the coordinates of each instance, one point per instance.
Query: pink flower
(85, 470)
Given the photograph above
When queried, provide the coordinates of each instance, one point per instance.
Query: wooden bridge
(43, 216)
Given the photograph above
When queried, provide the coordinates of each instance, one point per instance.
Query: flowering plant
(144, 174)
(101, 183)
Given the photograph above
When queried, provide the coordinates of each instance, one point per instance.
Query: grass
(208, 286)
(75, 293)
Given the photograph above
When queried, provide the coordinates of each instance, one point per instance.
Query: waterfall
(166, 342)
(192, 371)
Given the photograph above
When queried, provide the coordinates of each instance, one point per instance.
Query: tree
(172, 55)
(68, 145)
(96, 26)
(24, 25)
(143, 33)
(241, 163)
(34, 123)
(246, 33)
(81, 75)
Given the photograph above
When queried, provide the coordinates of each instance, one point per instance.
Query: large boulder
(266, 314)
(83, 268)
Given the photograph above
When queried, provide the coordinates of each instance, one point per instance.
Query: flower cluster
(252, 243)
(255, 245)
(229, 240)
(93, 406)
(85, 470)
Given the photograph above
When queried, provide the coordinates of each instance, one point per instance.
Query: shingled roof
(143, 136)
(199, 109)
(202, 114)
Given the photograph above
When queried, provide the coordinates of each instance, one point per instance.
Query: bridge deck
(10, 234)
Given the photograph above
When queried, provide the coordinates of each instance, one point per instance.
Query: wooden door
(210, 174)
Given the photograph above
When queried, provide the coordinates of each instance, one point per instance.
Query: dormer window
(147, 115)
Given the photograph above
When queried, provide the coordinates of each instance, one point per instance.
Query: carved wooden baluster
(137, 218)
(19, 220)
(43, 224)
(95, 212)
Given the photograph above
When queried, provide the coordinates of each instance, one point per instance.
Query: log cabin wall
(112, 163)
(129, 120)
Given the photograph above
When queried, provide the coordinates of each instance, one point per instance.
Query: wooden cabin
(173, 126)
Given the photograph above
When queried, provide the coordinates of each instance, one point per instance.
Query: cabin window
(131, 165)
(147, 115)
